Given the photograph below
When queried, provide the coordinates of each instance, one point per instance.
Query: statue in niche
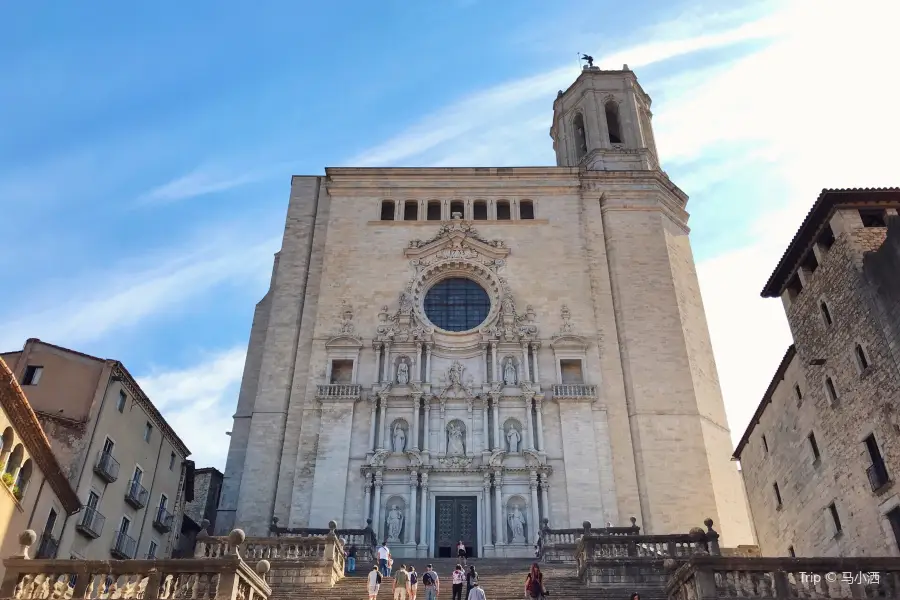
(403, 373)
(509, 372)
(455, 374)
(394, 524)
(508, 306)
(399, 438)
(406, 303)
(455, 439)
(517, 525)
(512, 439)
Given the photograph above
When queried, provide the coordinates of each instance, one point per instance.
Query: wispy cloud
(198, 402)
(210, 179)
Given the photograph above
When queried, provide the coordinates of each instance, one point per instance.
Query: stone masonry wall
(866, 405)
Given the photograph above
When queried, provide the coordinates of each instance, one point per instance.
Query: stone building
(116, 449)
(37, 494)
(207, 489)
(821, 454)
(459, 353)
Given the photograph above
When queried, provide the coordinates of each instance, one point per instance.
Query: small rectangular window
(765, 444)
(893, 518)
(458, 207)
(570, 371)
(93, 500)
(777, 494)
(813, 445)
(124, 525)
(341, 371)
(479, 210)
(830, 390)
(872, 217)
(387, 210)
(32, 375)
(411, 211)
(123, 399)
(138, 475)
(148, 432)
(108, 446)
(171, 461)
(526, 209)
(163, 501)
(835, 518)
(151, 552)
(503, 213)
(798, 394)
(434, 211)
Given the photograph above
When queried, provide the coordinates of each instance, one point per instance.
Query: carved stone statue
(512, 439)
(508, 306)
(394, 524)
(399, 438)
(403, 373)
(455, 374)
(406, 303)
(517, 526)
(455, 439)
(509, 372)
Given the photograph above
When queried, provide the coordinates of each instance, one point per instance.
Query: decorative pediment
(533, 459)
(569, 341)
(344, 341)
(456, 240)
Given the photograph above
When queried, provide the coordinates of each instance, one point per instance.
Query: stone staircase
(502, 579)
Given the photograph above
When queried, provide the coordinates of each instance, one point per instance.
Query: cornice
(132, 386)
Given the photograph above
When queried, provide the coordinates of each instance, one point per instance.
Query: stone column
(387, 376)
(411, 508)
(427, 437)
(545, 489)
(377, 346)
(528, 426)
(423, 513)
(494, 362)
(384, 425)
(535, 518)
(470, 427)
(376, 511)
(525, 375)
(484, 423)
(538, 409)
(498, 507)
(367, 506)
(427, 363)
(535, 346)
(484, 365)
(372, 424)
(417, 372)
(488, 531)
(414, 426)
(443, 433)
(495, 400)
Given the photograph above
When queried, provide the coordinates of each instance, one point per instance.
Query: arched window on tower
(434, 210)
(479, 210)
(387, 210)
(23, 479)
(612, 122)
(411, 210)
(580, 137)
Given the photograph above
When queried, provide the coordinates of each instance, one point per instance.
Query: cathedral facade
(462, 353)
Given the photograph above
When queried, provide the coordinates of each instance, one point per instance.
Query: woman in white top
(373, 582)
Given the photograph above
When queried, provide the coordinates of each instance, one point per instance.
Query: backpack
(413, 578)
(428, 578)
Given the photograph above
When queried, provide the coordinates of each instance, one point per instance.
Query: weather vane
(589, 59)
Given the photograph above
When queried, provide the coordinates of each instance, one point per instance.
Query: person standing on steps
(461, 552)
(534, 583)
(351, 559)
(413, 582)
(476, 593)
(383, 555)
(635, 596)
(471, 579)
(373, 582)
(458, 580)
(401, 584)
(432, 583)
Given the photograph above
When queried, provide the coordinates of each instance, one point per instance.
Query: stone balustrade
(838, 578)
(338, 391)
(574, 390)
(226, 577)
(362, 538)
(559, 545)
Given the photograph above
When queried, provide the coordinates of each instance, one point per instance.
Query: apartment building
(117, 451)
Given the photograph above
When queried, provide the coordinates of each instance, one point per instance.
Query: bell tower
(602, 123)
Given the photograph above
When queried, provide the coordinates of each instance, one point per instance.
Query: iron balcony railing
(136, 494)
(123, 546)
(163, 520)
(107, 467)
(91, 523)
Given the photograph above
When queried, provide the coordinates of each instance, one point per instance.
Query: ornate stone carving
(345, 325)
(394, 522)
(513, 434)
(456, 438)
(458, 462)
(404, 368)
(516, 520)
(399, 435)
(496, 459)
(533, 458)
(415, 458)
(567, 326)
(378, 458)
(509, 371)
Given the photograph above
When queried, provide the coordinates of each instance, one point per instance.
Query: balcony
(878, 475)
(136, 495)
(48, 547)
(574, 390)
(91, 523)
(163, 520)
(123, 546)
(338, 391)
(107, 467)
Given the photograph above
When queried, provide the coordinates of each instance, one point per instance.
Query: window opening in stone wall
(813, 445)
(612, 122)
(809, 262)
(123, 400)
(434, 211)
(765, 444)
(148, 432)
(873, 217)
(479, 210)
(526, 209)
(32, 375)
(777, 494)
(826, 238)
(570, 371)
(893, 518)
(826, 314)
(503, 213)
(341, 371)
(798, 394)
(830, 390)
(794, 287)
(458, 207)
(580, 137)
(387, 210)
(22, 479)
(835, 518)
(861, 360)
(411, 211)
(791, 552)
(877, 471)
(457, 304)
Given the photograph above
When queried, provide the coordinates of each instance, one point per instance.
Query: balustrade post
(713, 537)
(151, 592)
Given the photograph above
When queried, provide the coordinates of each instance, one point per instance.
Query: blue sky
(146, 152)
